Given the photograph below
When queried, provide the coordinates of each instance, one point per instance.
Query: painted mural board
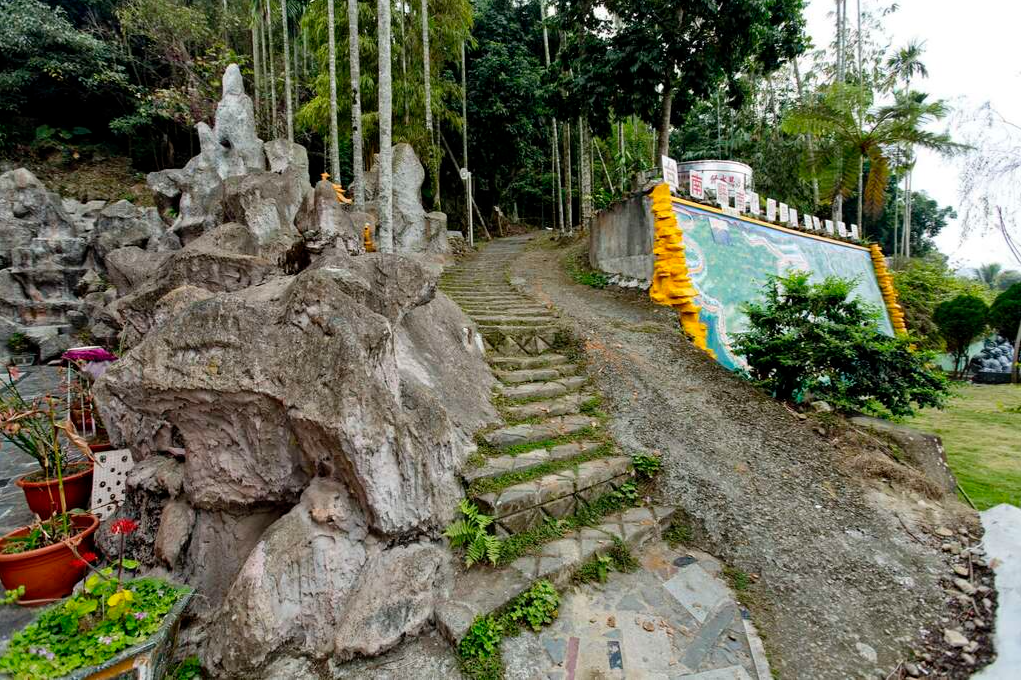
(730, 258)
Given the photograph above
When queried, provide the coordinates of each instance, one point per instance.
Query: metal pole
(471, 223)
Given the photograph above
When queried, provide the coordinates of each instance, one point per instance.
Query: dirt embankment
(843, 589)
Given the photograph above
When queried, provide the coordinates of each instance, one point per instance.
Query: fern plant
(470, 532)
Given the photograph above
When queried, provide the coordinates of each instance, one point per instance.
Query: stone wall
(620, 239)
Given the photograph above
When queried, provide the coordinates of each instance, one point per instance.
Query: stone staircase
(552, 457)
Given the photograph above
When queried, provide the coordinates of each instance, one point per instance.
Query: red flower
(124, 526)
(84, 559)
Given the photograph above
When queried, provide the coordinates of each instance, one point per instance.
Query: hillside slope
(842, 588)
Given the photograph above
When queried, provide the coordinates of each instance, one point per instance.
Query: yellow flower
(120, 596)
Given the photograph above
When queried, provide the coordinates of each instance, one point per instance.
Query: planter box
(149, 660)
(23, 359)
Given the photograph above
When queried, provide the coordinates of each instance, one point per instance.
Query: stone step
(499, 465)
(545, 390)
(482, 590)
(496, 333)
(513, 320)
(528, 433)
(527, 505)
(561, 406)
(526, 375)
(514, 363)
(511, 309)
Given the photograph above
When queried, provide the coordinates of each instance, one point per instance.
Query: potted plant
(21, 349)
(111, 627)
(33, 427)
(87, 364)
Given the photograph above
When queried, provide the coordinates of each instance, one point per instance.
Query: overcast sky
(973, 53)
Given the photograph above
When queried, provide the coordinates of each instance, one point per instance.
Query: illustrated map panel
(729, 259)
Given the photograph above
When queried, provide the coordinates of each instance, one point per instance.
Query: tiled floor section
(673, 618)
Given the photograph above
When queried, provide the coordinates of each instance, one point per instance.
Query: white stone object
(695, 187)
(785, 213)
(753, 202)
(722, 193)
(770, 210)
(794, 218)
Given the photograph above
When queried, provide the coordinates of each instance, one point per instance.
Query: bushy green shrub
(645, 466)
(1005, 313)
(922, 285)
(960, 321)
(814, 338)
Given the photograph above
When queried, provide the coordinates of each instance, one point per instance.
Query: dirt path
(843, 591)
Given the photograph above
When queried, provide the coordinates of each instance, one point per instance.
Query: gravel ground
(841, 590)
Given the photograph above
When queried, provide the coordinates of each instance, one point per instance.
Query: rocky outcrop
(413, 232)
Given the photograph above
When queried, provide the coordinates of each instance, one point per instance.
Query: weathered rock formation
(415, 231)
(298, 411)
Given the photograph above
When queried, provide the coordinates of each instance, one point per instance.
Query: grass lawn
(982, 440)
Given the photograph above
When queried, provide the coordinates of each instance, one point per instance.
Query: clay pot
(47, 573)
(44, 497)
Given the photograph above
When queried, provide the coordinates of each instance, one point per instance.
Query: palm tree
(989, 273)
(881, 130)
(332, 50)
(905, 64)
(356, 104)
(287, 72)
(384, 188)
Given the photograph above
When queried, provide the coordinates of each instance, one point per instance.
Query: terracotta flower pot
(47, 573)
(44, 497)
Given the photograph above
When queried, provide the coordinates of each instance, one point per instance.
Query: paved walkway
(1002, 542)
(673, 618)
(14, 463)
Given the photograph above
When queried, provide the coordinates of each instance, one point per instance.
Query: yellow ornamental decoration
(885, 280)
(338, 190)
(370, 247)
(671, 284)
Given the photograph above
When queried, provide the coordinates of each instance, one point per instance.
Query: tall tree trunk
(256, 63)
(907, 215)
(272, 73)
(404, 65)
(585, 159)
(384, 189)
(357, 168)
(620, 151)
(896, 211)
(861, 181)
(568, 171)
(427, 75)
(558, 214)
(664, 118)
(331, 43)
(287, 72)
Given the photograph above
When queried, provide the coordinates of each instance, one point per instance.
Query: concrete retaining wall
(620, 240)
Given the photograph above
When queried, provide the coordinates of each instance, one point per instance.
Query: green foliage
(189, 669)
(627, 494)
(677, 534)
(45, 57)
(960, 321)
(621, 557)
(595, 570)
(12, 596)
(84, 631)
(705, 47)
(482, 640)
(859, 132)
(579, 269)
(1005, 312)
(922, 284)
(534, 608)
(806, 337)
(470, 532)
(738, 579)
(18, 343)
(479, 649)
(647, 467)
